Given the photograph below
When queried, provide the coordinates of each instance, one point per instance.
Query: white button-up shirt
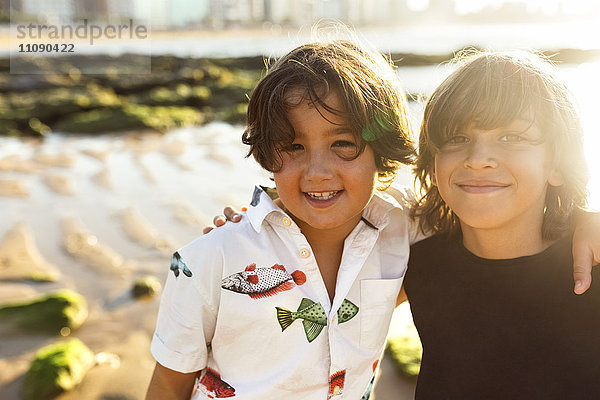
(247, 305)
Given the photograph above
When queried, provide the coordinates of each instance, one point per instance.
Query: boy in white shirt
(295, 301)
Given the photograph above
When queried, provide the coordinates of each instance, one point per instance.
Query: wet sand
(96, 213)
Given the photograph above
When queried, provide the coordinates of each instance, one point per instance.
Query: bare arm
(169, 384)
(401, 296)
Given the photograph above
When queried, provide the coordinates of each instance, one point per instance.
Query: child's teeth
(322, 195)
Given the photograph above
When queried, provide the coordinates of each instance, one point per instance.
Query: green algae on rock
(180, 95)
(146, 287)
(57, 368)
(54, 313)
(130, 117)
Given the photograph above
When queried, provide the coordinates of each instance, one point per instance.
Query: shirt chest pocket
(378, 301)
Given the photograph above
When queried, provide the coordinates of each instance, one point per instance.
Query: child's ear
(555, 178)
(433, 178)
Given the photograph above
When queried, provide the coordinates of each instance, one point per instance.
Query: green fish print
(177, 264)
(347, 311)
(312, 314)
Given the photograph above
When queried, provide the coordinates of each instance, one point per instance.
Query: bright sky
(546, 6)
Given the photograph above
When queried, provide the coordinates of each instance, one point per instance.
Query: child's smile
(323, 199)
(321, 183)
(480, 185)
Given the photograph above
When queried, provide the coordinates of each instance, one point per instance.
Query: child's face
(318, 183)
(497, 178)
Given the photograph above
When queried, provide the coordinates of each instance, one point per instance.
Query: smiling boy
(503, 170)
(295, 301)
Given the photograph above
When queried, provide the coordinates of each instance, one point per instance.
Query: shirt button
(286, 221)
(304, 253)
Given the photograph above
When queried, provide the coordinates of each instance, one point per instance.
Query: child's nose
(480, 155)
(318, 167)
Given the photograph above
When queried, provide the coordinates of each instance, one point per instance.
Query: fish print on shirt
(211, 384)
(256, 197)
(336, 384)
(313, 316)
(177, 264)
(375, 364)
(367, 394)
(347, 311)
(263, 282)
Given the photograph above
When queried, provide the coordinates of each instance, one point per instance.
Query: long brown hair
(490, 90)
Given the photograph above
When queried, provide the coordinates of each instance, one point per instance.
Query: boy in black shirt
(502, 170)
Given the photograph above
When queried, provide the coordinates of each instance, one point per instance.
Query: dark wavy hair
(490, 90)
(374, 105)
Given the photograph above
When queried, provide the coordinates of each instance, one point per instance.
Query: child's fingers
(232, 214)
(207, 229)
(219, 220)
(582, 267)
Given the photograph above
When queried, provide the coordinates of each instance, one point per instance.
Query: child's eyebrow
(341, 129)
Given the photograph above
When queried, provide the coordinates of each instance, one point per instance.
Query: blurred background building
(221, 14)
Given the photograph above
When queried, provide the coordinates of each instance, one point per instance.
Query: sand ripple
(13, 188)
(62, 160)
(21, 259)
(102, 178)
(84, 246)
(15, 163)
(100, 155)
(146, 171)
(59, 184)
(173, 150)
(142, 232)
(187, 214)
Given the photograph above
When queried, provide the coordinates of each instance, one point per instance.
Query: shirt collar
(376, 214)
(261, 206)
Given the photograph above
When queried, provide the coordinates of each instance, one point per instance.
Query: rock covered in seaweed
(56, 369)
(146, 287)
(54, 313)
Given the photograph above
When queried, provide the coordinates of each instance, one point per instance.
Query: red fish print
(261, 282)
(213, 386)
(336, 383)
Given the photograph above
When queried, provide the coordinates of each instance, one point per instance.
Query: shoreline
(167, 92)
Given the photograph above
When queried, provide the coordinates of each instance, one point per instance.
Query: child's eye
(512, 138)
(344, 144)
(345, 149)
(457, 139)
(295, 147)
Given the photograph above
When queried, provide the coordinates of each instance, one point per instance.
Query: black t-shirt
(503, 329)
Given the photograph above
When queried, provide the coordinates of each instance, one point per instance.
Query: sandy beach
(96, 213)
